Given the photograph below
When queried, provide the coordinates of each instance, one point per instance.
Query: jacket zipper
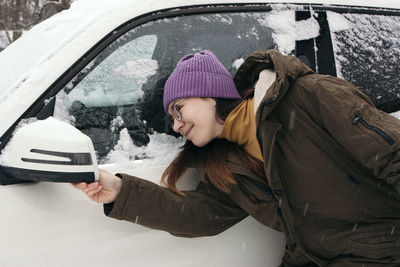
(387, 138)
(267, 189)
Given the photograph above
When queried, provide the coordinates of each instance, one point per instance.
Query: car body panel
(51, 224)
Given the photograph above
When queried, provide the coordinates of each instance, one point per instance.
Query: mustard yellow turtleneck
(240, 127)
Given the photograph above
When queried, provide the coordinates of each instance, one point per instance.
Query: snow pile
(236, 64)
(4, 155)
(286, 30)
(60, 110)
(337, 22)
(4, 42)
(116, 123)
(396, 114)
(161, 150)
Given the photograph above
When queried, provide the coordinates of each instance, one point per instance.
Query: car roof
(32, 63)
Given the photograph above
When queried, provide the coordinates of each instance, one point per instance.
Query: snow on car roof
(32, 63)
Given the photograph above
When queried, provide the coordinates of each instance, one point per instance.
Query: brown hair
(211, 160)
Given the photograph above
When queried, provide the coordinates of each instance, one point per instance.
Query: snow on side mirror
(53, 151)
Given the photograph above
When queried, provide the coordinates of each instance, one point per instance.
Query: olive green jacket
(332, 164)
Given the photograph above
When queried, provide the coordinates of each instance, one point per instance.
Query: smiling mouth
(187, 132)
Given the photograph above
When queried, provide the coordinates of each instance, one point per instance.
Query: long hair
(211, 160)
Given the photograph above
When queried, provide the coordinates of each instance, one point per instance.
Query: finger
(93, 185)
(93, 192)
(90, 187)
(80, 186)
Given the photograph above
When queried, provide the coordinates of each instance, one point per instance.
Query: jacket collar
(268, 74)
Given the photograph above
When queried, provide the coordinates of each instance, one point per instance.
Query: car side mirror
(50, 150)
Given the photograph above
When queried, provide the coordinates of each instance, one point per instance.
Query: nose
(177, 125)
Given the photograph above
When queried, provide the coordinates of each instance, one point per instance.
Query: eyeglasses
(176, 113)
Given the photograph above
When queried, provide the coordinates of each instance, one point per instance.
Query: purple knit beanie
(199, 75)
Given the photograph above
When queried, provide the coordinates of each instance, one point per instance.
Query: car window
(117, 80)
(117, 98)
(367, 49)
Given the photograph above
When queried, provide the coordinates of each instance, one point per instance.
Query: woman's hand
(105, 190)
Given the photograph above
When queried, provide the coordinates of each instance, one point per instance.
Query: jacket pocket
(359, 119)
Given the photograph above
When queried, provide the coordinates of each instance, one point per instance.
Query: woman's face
(198, 121)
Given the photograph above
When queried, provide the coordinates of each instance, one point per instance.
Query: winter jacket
(332, 165)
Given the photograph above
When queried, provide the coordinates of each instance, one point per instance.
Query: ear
(212, 100)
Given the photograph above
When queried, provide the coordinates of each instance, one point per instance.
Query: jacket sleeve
(370, 135)
(203, 212)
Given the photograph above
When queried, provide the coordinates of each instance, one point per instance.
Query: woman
(306, 154)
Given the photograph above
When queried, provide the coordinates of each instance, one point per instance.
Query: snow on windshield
(117, 80)
(130, 69)
(286, 30)
(367, 49)
(359, 33)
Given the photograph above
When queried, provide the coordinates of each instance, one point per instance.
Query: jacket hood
(286, 68)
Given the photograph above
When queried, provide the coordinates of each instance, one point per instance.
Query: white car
(101, 66)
